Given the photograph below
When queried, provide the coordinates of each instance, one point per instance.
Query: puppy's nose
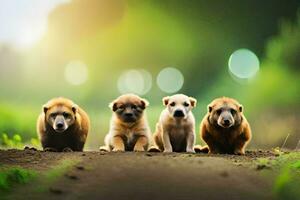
(60, 125)
(178, 113)
(128, 114)
(226, 121)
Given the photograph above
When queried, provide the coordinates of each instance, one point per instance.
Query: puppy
(129, 129)
(225, 128)
(62, 126)
(175, 130)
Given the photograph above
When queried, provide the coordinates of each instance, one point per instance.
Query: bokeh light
(76, 73)
(135, 81)
(170, 80)
(243, 64)
(24, 22)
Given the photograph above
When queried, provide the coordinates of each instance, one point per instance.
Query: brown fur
(74, 137)
(232, 140)
(124, 135)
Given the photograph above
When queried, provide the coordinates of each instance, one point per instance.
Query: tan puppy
(175, 130)
(129, 130)
(62, 126)
(225, 128)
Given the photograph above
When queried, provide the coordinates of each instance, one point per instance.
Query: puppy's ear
(193, 101)
(166, 100)
(113, 106)
(209, 108)
(144, 103)
(74, 108)
(241, 108)
(45, 108)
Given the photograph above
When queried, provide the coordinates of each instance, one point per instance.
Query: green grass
(287, 182)
(18, 120)
(12, 176)
(52, 175)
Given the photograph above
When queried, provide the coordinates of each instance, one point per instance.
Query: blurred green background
(92, 51)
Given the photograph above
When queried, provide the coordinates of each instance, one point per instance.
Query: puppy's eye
(172, 104)
(219, 111)
(134, 107)
(186, 104)
(66, 115)
(233, 111)
(121, 107)
(52, 115)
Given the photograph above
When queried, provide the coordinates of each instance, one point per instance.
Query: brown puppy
(129, 130)
(175, 130)
(225, 128)
(62, 126)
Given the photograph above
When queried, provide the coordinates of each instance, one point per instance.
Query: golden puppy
(175, 130)
(129, 130)
(225, 129)
(62, 126)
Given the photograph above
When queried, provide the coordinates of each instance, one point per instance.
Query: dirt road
(97, 175)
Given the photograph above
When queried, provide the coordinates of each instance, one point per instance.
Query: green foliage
(16, 141)
(296, 165)
(284, 49)
(19, 119)
(287, 183)
(12, 176)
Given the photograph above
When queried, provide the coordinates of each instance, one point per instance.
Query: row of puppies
(63, 126)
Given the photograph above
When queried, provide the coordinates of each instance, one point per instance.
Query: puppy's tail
(201, 149)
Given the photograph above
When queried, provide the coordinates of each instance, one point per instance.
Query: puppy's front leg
(166, 141)
(141, 143)
(190, 142)
(117, 143)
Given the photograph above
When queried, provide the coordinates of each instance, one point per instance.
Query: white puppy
(175, 130)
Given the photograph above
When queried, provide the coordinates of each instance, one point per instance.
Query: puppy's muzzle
(226, 122)
(129, 117)
(178, 113)
(60, 125)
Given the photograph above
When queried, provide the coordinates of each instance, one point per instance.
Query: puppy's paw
(116, 149)
(200, 149)
(168, 151)
(154, 149)
(239, 152)
(138, 149)
(50, 149)
(214, 151)
(104, 149)
(67, 149)
(190, 150)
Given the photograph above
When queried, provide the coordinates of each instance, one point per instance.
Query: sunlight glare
(24, 22)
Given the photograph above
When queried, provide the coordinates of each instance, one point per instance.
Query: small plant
(16, 141)
(277, 151)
